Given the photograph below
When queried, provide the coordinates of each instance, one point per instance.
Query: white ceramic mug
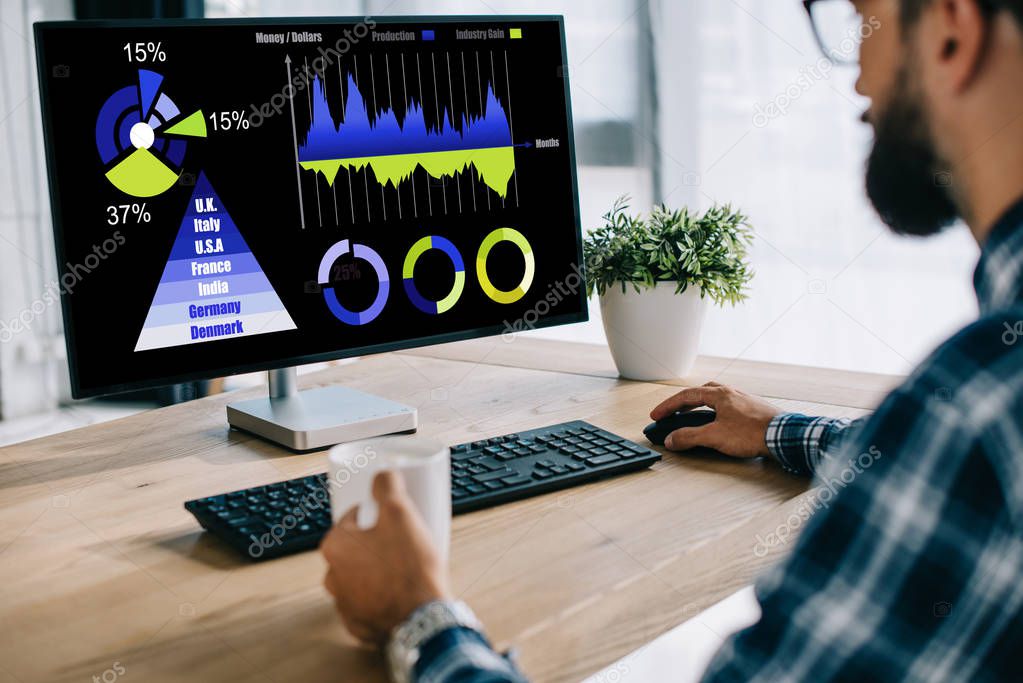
(425, 465)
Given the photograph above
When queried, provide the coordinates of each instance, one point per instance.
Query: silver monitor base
(318, 418)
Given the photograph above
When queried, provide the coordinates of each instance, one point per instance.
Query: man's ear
(959, 31)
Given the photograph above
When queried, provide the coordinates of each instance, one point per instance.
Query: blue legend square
(428, 34)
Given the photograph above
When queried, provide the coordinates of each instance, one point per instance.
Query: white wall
(30, 378)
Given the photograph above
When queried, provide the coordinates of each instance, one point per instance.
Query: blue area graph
(394, 148)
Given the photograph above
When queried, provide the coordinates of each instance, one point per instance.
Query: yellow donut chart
(493, 239)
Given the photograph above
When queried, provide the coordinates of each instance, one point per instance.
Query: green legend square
(515, 33)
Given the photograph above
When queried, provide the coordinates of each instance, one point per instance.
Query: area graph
(432, 133)
(393, 150)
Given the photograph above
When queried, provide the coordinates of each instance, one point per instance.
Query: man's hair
(911, 9)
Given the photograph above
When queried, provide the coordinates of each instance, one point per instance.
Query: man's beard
(907, 182)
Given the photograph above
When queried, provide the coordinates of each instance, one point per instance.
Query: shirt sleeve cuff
(459, 650)
(798, 442)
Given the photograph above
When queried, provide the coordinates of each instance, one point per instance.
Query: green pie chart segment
(193, 126)
(141, 174)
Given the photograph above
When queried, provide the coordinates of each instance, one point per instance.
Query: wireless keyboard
(278, 519)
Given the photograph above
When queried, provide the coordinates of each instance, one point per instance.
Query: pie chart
(141, 136)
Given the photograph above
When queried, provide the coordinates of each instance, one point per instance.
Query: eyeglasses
(839, 29)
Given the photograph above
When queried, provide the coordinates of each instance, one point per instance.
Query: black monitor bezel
(78, 392)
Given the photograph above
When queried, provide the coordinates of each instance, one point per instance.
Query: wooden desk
(102, 571)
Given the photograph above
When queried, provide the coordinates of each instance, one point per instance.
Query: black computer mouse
(657, 431)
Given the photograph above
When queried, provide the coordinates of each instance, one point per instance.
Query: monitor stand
(318, 418)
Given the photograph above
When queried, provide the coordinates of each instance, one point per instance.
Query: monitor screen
(231, 196)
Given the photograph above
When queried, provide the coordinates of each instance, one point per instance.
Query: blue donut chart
(359, 251)
(418, 300)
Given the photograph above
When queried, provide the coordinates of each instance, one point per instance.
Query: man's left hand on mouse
(739, 430)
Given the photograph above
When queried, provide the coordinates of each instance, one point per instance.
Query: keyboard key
(598, 451)
(516, 480)
(458, 492)
(463, 481)
(476, 489)
(462, 455)
(476, 445)
(495, 485)
(242, 521)
(492, 464)
(538, 449)
(603, 460)
(558, 469)
(505, 456)
(522, 451)
(574, 466)
(492, 476)
(542, 474)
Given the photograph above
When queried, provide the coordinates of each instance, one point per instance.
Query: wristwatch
(403, 649)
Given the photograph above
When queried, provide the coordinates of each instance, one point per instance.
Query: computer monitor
(231, 196)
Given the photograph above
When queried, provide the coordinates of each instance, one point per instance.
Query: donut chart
(362, 252)
(489, 242)
(418, 300)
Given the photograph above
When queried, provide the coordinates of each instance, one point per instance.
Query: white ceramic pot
(653, 334)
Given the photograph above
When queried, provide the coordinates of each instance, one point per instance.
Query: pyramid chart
(212, 287)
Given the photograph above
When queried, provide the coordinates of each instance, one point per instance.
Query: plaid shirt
(912, 568)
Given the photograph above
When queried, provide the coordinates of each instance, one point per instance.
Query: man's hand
(739, 430)
(379, 576)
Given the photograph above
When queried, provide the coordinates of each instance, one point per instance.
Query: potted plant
(654, 276)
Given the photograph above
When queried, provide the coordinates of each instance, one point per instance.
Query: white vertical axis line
(294, 135)
(365, 169)
(422, 104)
(390, 104)
(479, 82)
(511, 126)
(316, 177)
(344, 106)
(493, 84)
(465, 93)
(404, 89)
(333, 185)
(451, 101)
(376, 114)
(436, 99)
